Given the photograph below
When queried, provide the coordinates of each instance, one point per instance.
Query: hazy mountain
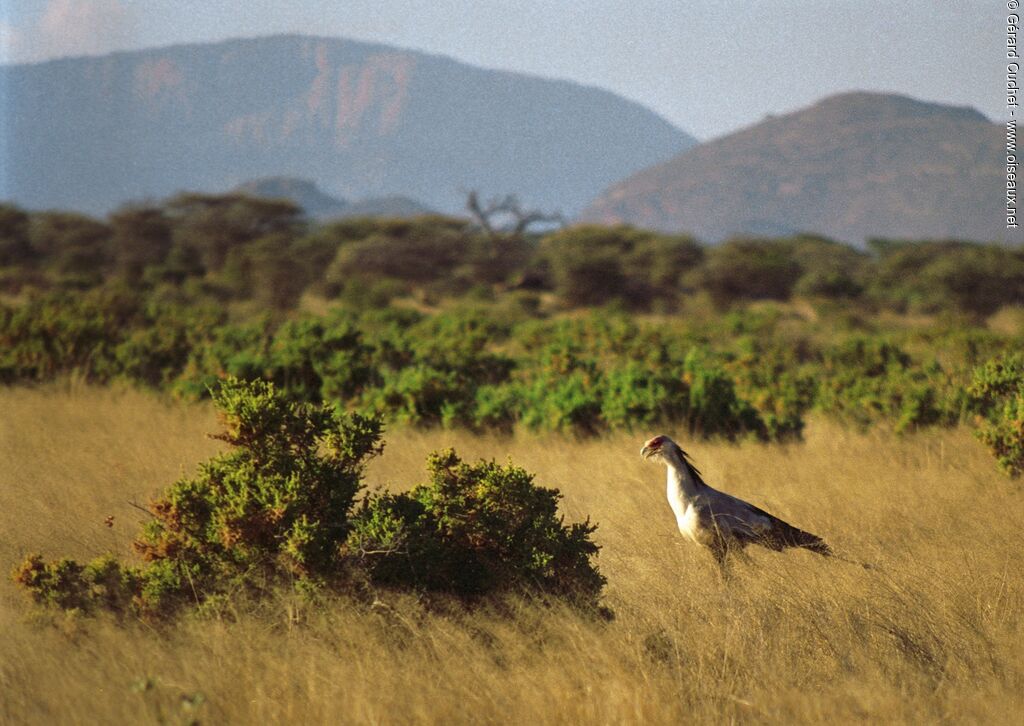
(301, 191)
(359, 119)
(393, 206)
(319, 205)
(852, 166)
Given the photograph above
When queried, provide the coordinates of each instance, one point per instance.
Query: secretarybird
(715, 520)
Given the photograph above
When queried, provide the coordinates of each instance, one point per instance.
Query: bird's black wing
(750, 524)
(783, 535)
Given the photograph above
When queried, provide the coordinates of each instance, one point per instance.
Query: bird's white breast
(687, 517)
(689, 522)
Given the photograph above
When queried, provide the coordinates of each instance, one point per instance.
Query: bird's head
(665, 451)
(659, 448)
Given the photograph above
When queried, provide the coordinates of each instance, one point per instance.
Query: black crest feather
(688, 463)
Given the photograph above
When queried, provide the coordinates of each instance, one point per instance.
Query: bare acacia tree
(490, 215)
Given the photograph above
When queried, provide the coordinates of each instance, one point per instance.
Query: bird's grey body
(718, 521)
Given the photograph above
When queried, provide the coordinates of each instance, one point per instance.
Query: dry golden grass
(932, 635)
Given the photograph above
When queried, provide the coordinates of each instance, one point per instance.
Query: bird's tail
(786, 535)
(811, 542)
(798, 538)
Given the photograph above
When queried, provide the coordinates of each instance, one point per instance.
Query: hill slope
(852, 166)
(301, 191)
(319, 205)
(359, 119)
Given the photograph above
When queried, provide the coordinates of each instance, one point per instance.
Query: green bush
(413, 251)
(496, 408)
(78, 247)
(866, 380)
(476, 529)
(714, 407)
(749, 269)
(211, 226)
(997, 394)
(429, 372)
(315, 359)
(63, 332)
(636, 397)
(231, 350)
(829, 269)
(777, 384)
(564, 403)
(156, 352)
(936, 276)
(592, 265)
(276, 511)
(103, 584)
(141, 238)
(420, 395)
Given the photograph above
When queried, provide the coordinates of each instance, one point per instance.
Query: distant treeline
(237, 248)
(435, 322)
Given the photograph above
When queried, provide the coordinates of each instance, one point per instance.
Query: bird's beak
(647, 451)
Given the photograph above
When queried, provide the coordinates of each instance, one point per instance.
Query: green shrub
(997, 394)
(103, 584)
(592, 265)
(779, 386)
(77, 247)
(419, 395)
(566, 402)
(156, 352)
(210, 226)
(829, 269)
(496, 408)
(315, 359)
(635, 396)
(559, 385)
(232, 350)
(749, 269)
(63, 332)
(413, 251)
(277, 503)
(429, 373)
(866, 380)
(935, 276)
(476, 529)
(714, 407)
(273, 510)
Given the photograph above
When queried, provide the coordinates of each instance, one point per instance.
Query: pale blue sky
(709, 66)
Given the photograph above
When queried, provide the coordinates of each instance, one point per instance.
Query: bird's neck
(681, 482)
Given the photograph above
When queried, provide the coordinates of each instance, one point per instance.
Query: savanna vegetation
(932, 634)
(584, 330)
(857, 389)
(277, 512)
